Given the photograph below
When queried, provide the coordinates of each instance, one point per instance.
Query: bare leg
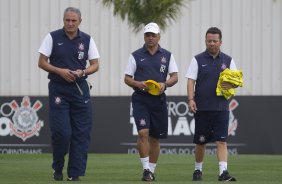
(143, 143)
(147, 151)
(200, 152)
(222, 155)
(199, 158)
(154, 149)
(222, 151)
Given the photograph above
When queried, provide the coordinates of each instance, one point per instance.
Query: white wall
(251, 34)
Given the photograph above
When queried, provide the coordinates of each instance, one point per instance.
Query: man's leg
(222, 156)
(143, 147)
(200, 152)
(154, 153)
(59, 122)
(199, 158)
(81, 121)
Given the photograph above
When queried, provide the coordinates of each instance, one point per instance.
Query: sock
(152, 167)
(222, 167)
(199, 166)
(145, 162)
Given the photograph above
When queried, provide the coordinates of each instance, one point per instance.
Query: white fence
(251, 34)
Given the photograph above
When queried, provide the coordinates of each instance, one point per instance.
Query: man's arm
(93, 67)
(173, 79)
(191, 93)
(64, 73)
(128, 79)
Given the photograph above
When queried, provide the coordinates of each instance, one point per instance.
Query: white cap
(152, 28)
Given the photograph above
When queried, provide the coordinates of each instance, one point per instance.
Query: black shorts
(150, 112)
(211, 126)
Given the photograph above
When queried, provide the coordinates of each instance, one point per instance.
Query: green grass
(125, 169)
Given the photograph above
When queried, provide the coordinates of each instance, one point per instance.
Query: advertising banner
(254, 126)
(24, 125)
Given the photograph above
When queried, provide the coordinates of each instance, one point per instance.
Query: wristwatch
(83, 73)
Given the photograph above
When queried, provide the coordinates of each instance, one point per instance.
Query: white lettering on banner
(20, 151)
(132, 151)
(4, 126)
(185, 151)
(174, 109)
(182, 123)
(24, 123)
(182, 127)
(134, 129)
(177, 111)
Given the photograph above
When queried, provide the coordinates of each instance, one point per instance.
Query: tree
(140, 12)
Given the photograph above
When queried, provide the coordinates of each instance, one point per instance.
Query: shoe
(58, 176)
(75, 178)
(197, 175)
(226, 177)
(148, 175)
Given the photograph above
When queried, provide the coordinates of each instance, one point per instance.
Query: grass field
(125, 169)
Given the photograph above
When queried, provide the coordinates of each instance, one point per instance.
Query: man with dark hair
(211, 112)
(151, 62)
(70, 109)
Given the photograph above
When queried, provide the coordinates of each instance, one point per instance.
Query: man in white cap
(151, 62)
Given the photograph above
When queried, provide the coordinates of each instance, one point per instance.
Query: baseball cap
(152, 28)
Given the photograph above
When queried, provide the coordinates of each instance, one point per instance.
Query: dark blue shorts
(211, 126)
(150, 112)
